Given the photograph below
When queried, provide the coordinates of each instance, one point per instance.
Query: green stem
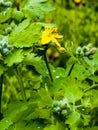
(91, 87)
(45, 58)
(71, 69)
(1, 85)
(19, 78)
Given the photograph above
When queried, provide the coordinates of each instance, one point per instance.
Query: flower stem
(1, 85)
(71, 69)
(45, 58)
(19, 78)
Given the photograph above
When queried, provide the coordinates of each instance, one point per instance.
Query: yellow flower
(50, 35)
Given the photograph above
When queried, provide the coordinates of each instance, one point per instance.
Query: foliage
(48, 83)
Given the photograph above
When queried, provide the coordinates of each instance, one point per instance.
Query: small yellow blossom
(51, 35)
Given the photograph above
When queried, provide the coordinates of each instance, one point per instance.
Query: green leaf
(36, 9)
(18, 111)
(4, 27)
(58, 84)
(29, 125)
(47, 7)
(14, 58)
(58, 72)
(36, 1)
(32, 115)
(46, 99)
(11, 127)
(59, 75)
(73, 118)
(93, 128)
(73, 90)
(2, 68)
(80, 72)
(57, 126)
(13, 109)
(40, 66)
(5, 123)
(94, 100)
(86, 102)
(51, 127)
(93, 78)
(25, 113)
(74, 121)
(19, 28)
(96, 58)
(86, 119)
(17, 15)
(33, 13)
(26, 37)
(44, 113)
(5, 15)
(93, 64)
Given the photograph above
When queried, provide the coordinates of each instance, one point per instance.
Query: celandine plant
(50, 38)
(33, 93)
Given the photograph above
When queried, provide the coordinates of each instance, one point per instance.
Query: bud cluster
(61, 108)
(5, 4)
(88, 51)
(5, 49)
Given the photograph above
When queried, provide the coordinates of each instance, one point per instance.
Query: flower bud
(85, 49)
(77, 2)
(57, 109)
(7, 4)
(93, 50)
(64, 112)
(83, 2)
(5, 51)
(79, 51)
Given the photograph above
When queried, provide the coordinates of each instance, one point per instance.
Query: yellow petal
(50, 34)
(61, 49)
(56, 42)
(55, 30)
(48, 29)
(55, 35)
(45, 39)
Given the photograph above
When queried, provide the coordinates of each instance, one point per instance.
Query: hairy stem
(91, 87)
(45, 58)
(19, 78)
(71, 69)
(1, 85)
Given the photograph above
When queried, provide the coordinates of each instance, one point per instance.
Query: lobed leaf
(26, 35)
(5, 15)
(14, 58)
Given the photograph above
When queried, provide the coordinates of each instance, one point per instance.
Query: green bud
(8, 30)
(79, 51)
(56, 103)
(1, 3)
(5, 51)
(64, 103)
(64, 112)
(85, 49)
(7, 4)
(89, 45)
(93, 50)
(87, 53)
(57, 109)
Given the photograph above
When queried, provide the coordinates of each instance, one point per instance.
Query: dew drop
(53, 70)
(57, 77)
